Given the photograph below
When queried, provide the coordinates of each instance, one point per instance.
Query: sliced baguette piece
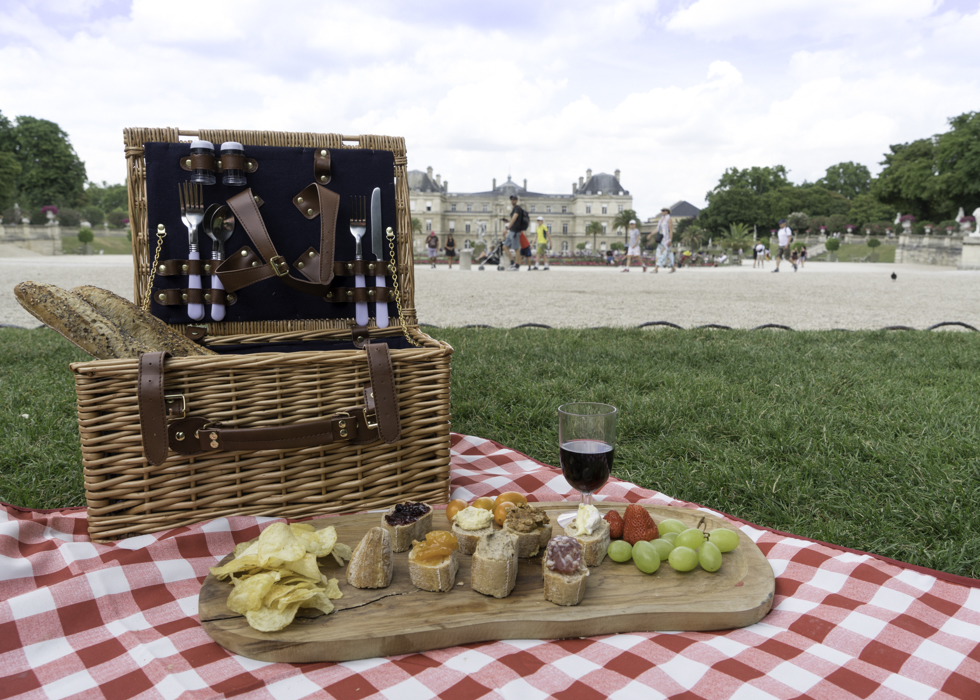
(494, 568)
(372, 564)
(439, 579)
(564, 589)
(594, 546)
(140, 324)
(530, 543)
(469, 539)
(78, 321)
(402, 536)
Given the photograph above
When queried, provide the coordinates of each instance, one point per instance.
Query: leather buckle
(371, 419)
(171, 409)
(279, 265)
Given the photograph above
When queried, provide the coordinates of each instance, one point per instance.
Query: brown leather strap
(321, 166)
(152, 412)
(172, 268)
(383, 384)
(232, 161)
(177, 297)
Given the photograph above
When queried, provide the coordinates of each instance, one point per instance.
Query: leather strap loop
(174, 268)
(321, 166)
(383, 384)
(177, 297)
(152, 411)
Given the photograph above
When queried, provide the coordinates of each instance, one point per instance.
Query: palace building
(478, 217)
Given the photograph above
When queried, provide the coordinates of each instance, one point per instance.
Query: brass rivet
(161, 227)
(323, 153)
(207, 297)
(329, 295)
(214, 445)
(183, 268)
(255, 263)
(219, 163)
(350, 266)
(299, 199)
(231, 298)
(310, 212)
(350, 293)
(372, 394)
(244, 253)
(370, 267)
(180, 436)
(342, 424)
(360, 339)
(312, 253)
(207, 267)
(187, 162)
(323, 178)
(213, 436)
(162, 297)
(371, 293)
(256, 198)
(343, 433)
(389, 230)
(301, 264)
(162, 268)
(184, 297)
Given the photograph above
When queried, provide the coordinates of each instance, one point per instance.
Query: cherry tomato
(510, 497)
(500, 512)
(454, 507)
(486, 503)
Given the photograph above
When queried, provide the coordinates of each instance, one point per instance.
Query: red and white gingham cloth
(85, 620)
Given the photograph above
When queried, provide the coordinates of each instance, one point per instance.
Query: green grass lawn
(864, 439)
(855, 251)
(110, 245)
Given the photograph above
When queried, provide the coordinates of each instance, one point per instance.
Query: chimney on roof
(445, 186)
(574, 187)
(588, 173)
(525, 184)
(429, 171)
(616, 174)
(494, 184)
(439, 179)
(581, 181)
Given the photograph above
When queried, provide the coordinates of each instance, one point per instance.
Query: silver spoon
(219, 223)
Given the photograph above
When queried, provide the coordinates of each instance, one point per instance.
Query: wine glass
(586, 443)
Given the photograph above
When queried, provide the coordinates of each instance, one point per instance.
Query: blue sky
(670, 93)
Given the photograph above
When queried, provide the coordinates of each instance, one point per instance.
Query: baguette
(594, 546)
(78, 321)
(140, 324)
(564, 554)
(469, 539)
(494, 571)
(439, 578)
(371, 565)
(402, 536)
(531, 526)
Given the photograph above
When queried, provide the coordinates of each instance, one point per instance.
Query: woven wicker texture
(127, 496)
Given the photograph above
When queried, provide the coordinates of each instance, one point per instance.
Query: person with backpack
(519, 221)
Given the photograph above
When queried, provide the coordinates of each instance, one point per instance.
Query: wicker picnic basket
(253, 386)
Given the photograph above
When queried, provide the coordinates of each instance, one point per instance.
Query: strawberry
(638, 525)
(615, 521)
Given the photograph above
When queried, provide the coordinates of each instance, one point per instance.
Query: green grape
(645, 557)
(682, 558)
(670, 537)
(670, 525)
(725, 540)
(620, 550)
(709, 557)
(663, 547)
(692, 537)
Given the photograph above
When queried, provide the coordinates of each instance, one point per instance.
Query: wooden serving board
(401, 619)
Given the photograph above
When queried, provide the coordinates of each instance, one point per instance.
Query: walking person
(633, 246)
(759, 256)
(802, 256)
(450, 249)
(432, 246)
(514, 229)
(665, 232)
(543, 240)
(526, 255)
(784, 236)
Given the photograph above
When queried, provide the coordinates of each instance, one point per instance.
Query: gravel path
(820, 296)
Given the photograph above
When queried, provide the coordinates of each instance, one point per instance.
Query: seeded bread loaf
(494, 569)
(372, 564)
(138, 323)
(78, 321)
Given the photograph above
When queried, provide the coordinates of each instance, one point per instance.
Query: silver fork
(358, 225)
(192, 213)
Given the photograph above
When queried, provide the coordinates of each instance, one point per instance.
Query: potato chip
(342, 553)
(271, 619)
(300, 527)
(320, 601)
(278, 541)
(250, 594)
(305, 567)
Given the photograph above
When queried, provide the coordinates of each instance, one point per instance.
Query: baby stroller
(493, 255)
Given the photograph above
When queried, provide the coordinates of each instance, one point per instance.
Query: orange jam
(438, 545)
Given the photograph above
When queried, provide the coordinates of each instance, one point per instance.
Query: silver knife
(377, 247)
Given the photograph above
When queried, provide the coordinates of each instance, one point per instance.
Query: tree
(737, 236)
(814, 200)
(416, 225)
(595, 228)
(759, 180)
(9, 175)
(623, 218)
(51, 172)
(106, 197)
(849, 179)
(866, 208)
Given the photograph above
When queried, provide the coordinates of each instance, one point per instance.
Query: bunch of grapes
(682, 547)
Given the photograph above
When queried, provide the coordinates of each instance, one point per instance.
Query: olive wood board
(402, 619)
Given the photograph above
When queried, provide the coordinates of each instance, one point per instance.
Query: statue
(976, 223)
(898, 218)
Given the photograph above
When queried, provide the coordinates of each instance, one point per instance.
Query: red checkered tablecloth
(85, 620)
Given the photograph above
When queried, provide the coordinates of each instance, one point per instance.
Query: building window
(620, 207)
(603, 228)
(588, 208)
(564, 208)
(467, 243)
(564, 227)
(452, 207)
(428, 206)
(564, 246)
(469, 207)
(603, 208)
(484, 207)
(547, 209)
(467, 227)
(411, 205)
(533, 208)
(428, 225)
(602, 244)
(452, 227)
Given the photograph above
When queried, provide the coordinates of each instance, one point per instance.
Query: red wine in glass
(586, 464)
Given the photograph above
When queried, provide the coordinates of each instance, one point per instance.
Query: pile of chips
(277, 574)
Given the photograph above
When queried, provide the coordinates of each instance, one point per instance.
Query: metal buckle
(168, 406)
(279, 265)
(371, 419)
